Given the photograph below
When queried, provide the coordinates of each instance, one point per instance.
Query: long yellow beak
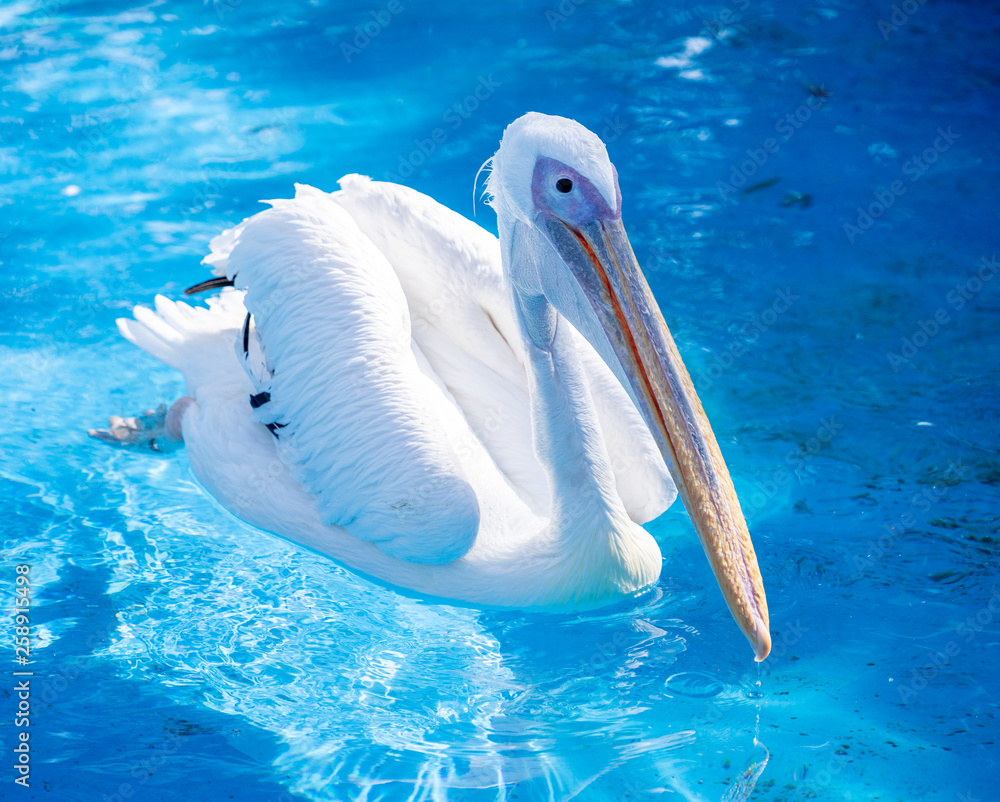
(600, 256)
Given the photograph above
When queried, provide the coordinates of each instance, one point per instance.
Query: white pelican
(471, 418)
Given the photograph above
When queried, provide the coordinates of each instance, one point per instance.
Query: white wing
(362, 427)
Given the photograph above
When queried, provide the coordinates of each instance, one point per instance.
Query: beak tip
(761, 642)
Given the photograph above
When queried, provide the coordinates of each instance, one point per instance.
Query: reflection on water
(371, 690)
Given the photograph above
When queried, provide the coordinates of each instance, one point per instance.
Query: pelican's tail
(197, 341)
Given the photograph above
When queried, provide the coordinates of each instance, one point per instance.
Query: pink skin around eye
(582, 204)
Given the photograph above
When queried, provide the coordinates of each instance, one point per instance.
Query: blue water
(850, 373)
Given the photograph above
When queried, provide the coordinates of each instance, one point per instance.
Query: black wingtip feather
(212, 284)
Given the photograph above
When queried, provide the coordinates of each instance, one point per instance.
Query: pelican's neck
(567, 435)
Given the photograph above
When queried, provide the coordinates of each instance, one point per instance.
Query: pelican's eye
(564, 185)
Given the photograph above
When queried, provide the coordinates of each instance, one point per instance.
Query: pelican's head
(537, 151)
(558, 208)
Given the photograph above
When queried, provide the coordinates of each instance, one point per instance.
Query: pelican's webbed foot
(156, 429)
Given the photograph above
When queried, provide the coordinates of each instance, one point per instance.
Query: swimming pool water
(811, 190)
